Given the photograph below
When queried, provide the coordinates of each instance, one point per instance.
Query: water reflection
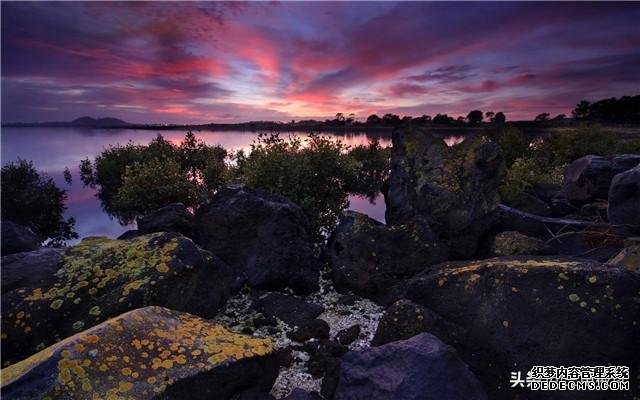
(53, 149)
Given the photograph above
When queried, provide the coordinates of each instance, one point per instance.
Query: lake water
(53, 149)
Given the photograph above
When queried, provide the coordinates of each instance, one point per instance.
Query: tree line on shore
(625, 109)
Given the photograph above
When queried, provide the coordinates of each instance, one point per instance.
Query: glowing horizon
(233, 62)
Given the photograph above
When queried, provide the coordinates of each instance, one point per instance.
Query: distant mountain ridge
(82, 122)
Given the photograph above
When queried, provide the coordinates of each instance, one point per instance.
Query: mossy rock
(513, 243)
(454, 188)
(101, 278)
(517, 312)
(147, 353)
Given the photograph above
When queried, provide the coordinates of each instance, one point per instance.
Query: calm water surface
(53, 149)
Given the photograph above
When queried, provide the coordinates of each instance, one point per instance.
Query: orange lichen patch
(124, 272)
(521, 265)
(114, 359)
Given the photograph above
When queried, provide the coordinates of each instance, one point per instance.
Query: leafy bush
(153, 184)
(525, 173)
(314, 174)
(545, 159)
(199, 165)
(513, 141)
(33, 200)
(567, 146)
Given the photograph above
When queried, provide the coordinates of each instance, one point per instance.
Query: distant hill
(100, 122)
(82, 122)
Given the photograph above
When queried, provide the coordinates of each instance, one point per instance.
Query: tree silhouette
(475, 117)
(581, 110)
(499, 118)
(373, 119)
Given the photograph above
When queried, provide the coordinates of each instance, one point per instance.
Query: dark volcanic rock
(310, 329)
(510, 243)
(369, 257)
(172, 218)
(17, 238)
(420, 368)
(454, 188)
(101, 278)
(624, 199)
(527, 311)
(299, 394)
(264, 237)
(30, 269)
(348, 335)
(405, 319)
(148, 353)
(588, 178)
(292, 310)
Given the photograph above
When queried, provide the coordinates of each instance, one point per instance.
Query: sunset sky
(230, 62)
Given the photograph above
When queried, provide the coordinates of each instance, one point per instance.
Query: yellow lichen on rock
(139, 352)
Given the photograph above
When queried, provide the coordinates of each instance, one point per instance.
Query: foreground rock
(264, 237)
(421, 368)
(17, 238)
(30, 269)
(519, 312)
(147, 353)
(369, 257)
(588, 178)
(624, 200)
(101, 278)
(454, 188)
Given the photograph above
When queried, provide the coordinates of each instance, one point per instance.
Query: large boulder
(101, 278)
(17, 238)
(420, 368)
(454, 188)
(31, 269)
(148, 353)
(624, 199)
(588, 178)
(264, 237)
(369, 257)
(518, 312)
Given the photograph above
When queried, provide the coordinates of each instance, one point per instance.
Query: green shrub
(33, 200)
(514, 143)
(199, 165)
(567, 146)
(525, 173)
(150, 185)
(314, 174)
